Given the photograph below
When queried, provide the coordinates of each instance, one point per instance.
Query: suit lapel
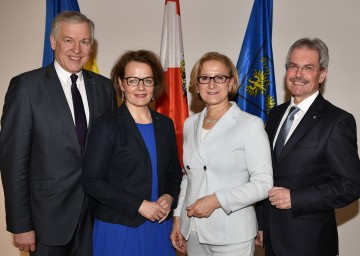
(206, 147)
(158, 139)
(56, 92)
(273, 127)
(129, 121)
(308, 121)
(91, 95)
(132, 127)
(197, 134)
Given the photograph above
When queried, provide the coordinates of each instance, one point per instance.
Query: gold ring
(21, 249)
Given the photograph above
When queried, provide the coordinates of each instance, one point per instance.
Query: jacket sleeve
(173, 173)
(15, 146)
(97, 159)
(259, 167)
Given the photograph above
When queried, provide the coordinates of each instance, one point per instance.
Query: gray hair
(313, 44)
(71, 17)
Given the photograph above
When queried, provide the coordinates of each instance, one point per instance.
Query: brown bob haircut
(142, 56)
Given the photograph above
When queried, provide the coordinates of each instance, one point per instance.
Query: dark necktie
(283, 133)
(79, 112)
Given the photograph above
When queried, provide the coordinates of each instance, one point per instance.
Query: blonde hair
(218, 57)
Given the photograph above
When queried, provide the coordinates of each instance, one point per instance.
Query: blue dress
(150, 238)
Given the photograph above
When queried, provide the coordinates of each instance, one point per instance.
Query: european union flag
(53, 7)
(257, 92)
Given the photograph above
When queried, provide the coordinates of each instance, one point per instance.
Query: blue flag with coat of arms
(257, 92)
(53, 7)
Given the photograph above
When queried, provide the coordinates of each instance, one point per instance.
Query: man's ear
(52, 42)
(323, 75)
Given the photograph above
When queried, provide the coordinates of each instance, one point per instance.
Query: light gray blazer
(234, 162)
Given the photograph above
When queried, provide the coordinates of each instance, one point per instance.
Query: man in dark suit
(315, 160)
(46, 115)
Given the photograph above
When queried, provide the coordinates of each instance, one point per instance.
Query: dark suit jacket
(40, 156)
(117, 166)
(320, 165)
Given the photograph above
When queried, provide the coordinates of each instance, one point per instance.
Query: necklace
(211, 120)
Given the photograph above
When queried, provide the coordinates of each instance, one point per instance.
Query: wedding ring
(21, 249)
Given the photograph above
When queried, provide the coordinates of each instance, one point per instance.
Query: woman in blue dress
(131, 170)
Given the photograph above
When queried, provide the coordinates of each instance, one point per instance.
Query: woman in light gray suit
(227, 166)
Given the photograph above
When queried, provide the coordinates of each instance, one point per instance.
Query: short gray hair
(313, 44)
(71, 17)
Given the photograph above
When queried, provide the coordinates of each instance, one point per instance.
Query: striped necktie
(283, 133)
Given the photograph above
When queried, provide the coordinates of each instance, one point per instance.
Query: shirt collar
(64, 75)
(306, 103)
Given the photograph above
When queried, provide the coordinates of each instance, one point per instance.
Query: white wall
(208, 25)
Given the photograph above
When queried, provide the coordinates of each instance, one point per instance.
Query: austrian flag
(174, 103)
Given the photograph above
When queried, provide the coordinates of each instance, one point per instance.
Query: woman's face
(214, 93)
(138, 84)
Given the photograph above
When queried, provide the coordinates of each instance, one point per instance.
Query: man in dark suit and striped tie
(315, 161)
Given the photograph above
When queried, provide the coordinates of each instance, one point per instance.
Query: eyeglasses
(306, 70)
(134, 81)
(219, 79)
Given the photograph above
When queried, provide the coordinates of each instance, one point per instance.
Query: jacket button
(205, 168)
(188, 167)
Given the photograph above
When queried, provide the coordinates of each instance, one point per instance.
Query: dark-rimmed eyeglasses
(134, 81)
(219, 79)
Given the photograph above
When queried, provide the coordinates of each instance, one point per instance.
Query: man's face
(303, 75)
(72, 45)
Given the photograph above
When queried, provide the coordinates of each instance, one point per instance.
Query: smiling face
(137, 96)
(302, 85)
(215, 93)
(72, 45)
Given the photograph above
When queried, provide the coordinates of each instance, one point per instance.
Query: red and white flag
(174, 103)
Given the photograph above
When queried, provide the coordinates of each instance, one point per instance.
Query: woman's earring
(153, 98)
(122, 96)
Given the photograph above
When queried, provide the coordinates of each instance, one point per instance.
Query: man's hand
(25, 241)
(203, 207)
(280, 198)
(259, 238)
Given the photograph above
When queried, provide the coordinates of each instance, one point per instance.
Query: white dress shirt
(304, 106)
(65, 81)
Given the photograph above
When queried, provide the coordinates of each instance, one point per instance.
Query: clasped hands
(157, 211)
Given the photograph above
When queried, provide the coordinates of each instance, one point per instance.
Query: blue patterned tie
(79, 112)
(285, 128)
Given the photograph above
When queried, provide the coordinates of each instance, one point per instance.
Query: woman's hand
(165, 201)
(152, 211)
(177, 240)
(203, 207)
